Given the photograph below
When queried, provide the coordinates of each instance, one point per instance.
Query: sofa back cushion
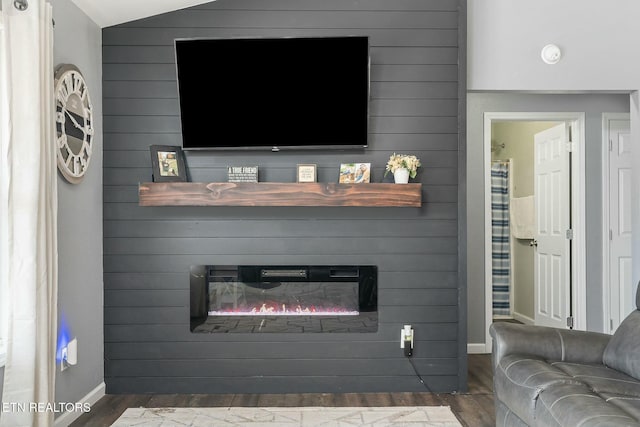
(623, 351)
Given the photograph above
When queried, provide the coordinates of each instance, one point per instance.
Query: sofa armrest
(549, 343)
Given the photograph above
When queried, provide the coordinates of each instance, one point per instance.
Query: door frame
(606, 243)
(578, 209)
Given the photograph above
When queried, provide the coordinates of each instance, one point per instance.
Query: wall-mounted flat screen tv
(273, 93)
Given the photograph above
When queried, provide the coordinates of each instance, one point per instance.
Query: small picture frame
(355, 173)
(307, 173)
(167, 162)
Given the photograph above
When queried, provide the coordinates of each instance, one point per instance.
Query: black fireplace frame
(268, 275)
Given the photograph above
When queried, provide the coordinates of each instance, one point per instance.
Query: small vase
(401, 176)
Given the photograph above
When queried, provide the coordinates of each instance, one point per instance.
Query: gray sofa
(555, 377)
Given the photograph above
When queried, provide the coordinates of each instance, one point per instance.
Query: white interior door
(621, 292)
(552, 266)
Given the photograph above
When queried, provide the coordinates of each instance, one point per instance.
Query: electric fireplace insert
(298, 299)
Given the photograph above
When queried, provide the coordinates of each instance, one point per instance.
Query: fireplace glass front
(250, 298)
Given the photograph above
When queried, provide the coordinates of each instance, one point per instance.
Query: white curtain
(28, 209)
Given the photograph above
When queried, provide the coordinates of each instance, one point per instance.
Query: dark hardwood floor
(474, 408)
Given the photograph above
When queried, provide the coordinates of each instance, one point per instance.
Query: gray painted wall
(77, 40)
(505, 44)
(593, 106)
(147, 251)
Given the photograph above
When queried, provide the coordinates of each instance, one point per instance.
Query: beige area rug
(409, 416)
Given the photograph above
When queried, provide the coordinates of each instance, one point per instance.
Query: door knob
(533, 243)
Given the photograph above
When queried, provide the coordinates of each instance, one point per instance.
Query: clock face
(74, 123)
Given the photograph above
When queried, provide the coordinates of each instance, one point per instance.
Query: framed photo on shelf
(167, 162)
(307, 173)
(355, 173)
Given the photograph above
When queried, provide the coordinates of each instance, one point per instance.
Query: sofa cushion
(519, 379)
(623, 351)
(576, 405)
(629, 404)
(601, 379)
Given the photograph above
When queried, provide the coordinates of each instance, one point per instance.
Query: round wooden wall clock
(74, 123)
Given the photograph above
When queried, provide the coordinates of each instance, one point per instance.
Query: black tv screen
(273, 92)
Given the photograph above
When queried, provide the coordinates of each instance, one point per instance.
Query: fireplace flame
(273, 310)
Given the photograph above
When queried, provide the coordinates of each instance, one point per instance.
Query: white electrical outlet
(406, 340)
(406, 334)
(69, 355)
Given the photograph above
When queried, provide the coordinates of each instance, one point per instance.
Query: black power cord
(422, 381)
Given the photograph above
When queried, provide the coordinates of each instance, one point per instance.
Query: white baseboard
(502, 317)
(68, 417)
(524, 319)
(477, 348)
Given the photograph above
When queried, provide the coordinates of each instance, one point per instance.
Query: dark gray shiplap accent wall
(415, 101)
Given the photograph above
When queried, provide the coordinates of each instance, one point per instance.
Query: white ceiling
(112, 12)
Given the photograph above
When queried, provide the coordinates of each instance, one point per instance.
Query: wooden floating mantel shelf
(279, 194)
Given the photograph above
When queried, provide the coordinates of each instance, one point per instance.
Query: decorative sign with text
(242, 173)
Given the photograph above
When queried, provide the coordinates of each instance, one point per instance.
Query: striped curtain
(500, 251)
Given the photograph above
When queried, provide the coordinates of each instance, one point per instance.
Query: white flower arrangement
(399, 161)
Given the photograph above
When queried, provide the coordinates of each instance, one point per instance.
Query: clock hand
(75, 123)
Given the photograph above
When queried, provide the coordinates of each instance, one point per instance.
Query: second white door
(552, 265)
(621, 289)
